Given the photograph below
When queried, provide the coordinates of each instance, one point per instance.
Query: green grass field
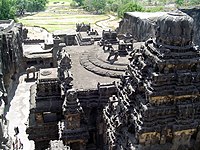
(59, 16)
(59, 22)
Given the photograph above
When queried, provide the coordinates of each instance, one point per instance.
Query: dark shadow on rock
(11, 93)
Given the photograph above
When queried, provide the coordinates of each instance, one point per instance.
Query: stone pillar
(55, 50)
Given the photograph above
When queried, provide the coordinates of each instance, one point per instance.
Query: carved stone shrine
(157, 103)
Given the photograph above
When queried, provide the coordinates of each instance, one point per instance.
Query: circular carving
(46, 73)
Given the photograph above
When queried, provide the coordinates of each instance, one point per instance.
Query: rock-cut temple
(127, 95)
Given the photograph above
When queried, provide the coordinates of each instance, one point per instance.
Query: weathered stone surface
(155, 107)
(195, 14)
(140, 25)
(174, 30)
(11, 64)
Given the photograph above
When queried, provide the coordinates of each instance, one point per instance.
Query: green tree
(179, 2)
(88, 5)
(110, 1)
(21, 6)
(114, 7)
(7, 9)
(163, 1)
(123, 2)
(79, 2)
(194, 2)
(129, 7)
(99, 5)
(95, 5)
(36, 5)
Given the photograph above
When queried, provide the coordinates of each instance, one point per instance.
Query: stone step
(92, 57)
(97, 70)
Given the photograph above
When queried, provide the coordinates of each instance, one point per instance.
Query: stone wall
(11, 54)
(195, 14)
(10, 66)
(140, 25)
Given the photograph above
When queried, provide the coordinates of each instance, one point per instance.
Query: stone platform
(96, 61)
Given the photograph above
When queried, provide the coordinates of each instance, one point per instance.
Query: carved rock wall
(11, 54)
(10, 66)
(195, 14)
(155, 108)
(140, 25)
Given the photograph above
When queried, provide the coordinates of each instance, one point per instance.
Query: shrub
(154, 9)
(129, 7)
(73, 4)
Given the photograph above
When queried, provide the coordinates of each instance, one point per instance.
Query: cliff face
(140, 25)
(10, 51)
(195, 14)
(10, 65)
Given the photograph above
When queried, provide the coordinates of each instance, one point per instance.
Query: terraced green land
(60, 16)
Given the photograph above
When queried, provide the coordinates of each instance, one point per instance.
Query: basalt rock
(11, 64)
(140, 25)
(195, 14)
(157, 104)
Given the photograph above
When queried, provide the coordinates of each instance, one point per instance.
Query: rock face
(195, 14)
(10, 65)
(174, 32)
(11, 50)
(157, 104)
(140, 25)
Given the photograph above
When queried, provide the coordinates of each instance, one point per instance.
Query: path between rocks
(104, 23)
(19, 111)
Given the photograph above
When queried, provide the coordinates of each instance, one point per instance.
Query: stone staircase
(94, 63)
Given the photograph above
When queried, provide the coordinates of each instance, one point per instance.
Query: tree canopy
(95, 5)
(79, 2)
(131, 6)
(7, 10)
(10, 8)
(121, 6)
(100, 6)
(35, 5)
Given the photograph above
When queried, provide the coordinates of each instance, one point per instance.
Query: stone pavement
(19, 111)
